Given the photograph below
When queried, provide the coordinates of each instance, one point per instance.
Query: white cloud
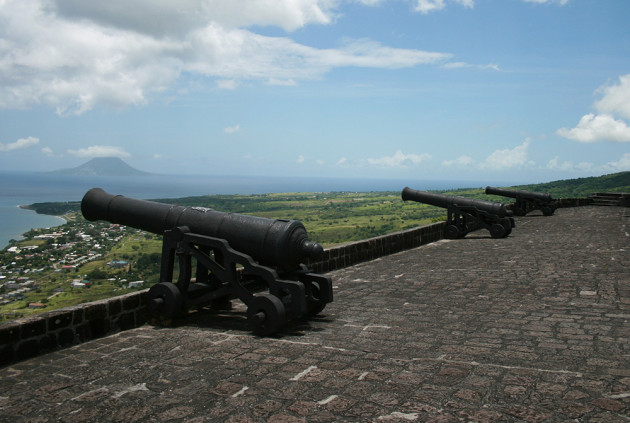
(100, 151)
(593, 128)
(623, 164)
(616, 98)
(507, 159)
(165, 17)
(300, 159)
(47, 151)
(460, 161)
(568, 166)
(320, 162)
(74, 55)
(232, 129)
(282, 82)
(554, 164)
(341, 161)
(427, 6)
(227, 84)
(399, 159)
(607, 125)
(20, 144)
(560, 2)
(464, 65)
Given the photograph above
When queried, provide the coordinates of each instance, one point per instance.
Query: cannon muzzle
(279, 243)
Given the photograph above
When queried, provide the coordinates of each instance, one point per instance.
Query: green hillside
(582, 187)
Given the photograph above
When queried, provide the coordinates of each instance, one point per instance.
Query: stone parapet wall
(30, 336)
(368, 249)
(573, 202)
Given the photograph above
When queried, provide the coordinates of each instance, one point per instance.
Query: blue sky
(529, 90)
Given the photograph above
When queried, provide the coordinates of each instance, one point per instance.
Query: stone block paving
(531, 328)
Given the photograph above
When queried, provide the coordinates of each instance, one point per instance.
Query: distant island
(102, 166)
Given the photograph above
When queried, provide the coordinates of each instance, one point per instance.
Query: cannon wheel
(497, 230)
(164, 300)
(453, 232)
(507, 224)
(266, 314)
(518, 211)
(548, 211)
(318, 304)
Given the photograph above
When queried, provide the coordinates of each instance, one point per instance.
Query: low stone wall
(573, 202)
(30, 336)
(368, 249)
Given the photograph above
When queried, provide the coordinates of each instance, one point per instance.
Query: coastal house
(118, 264)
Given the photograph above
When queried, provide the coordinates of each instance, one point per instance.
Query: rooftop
(529, 328)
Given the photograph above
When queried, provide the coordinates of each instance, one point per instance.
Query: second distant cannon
(466, 214)
(526, 201)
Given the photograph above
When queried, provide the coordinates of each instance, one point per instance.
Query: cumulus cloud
(567, 166)
(427, 6)
(593, 128)
(227, 84)
(100, 151)
(460, 161)
(20, 144)
(608, 125)
(507, 159)
(74, 55)
(300, 159)
(232, 129)
(341, 161)
(399, 159)
(621, 165)
(560, 2)
(47, 151)
(616, 98)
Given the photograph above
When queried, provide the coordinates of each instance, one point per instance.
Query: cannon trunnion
(234, 255)
(526, 201)
(466, 214)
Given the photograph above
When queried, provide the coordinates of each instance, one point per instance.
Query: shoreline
(59, 221)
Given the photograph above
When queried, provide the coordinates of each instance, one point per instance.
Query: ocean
(23, 188)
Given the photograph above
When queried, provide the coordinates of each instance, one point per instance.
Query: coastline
(18, 220)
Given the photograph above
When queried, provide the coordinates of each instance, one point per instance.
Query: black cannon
(526, 201)
(269, 254)
(466, 214)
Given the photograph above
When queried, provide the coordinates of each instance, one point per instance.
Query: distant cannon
(526, 201)
(269, 251)
(466, 214)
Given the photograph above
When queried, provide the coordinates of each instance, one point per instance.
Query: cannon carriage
(254, 259)
(526, 201)
(465, 215)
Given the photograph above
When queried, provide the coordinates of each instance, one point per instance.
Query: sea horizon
(25, 188)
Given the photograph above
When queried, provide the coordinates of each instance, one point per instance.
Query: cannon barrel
(446, 201)
(519, 194)
(279, 243)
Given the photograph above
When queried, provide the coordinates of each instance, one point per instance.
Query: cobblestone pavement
(531, 328)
